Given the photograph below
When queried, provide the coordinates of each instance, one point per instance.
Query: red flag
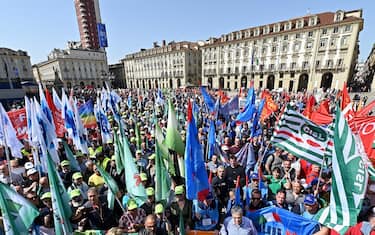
(210, 178)
(57, 118)
(321, 118)
(324, 107)
(309, 107)
(364, 112)
(365, 128)
(345, 98)
(269, 107)
(19, 122)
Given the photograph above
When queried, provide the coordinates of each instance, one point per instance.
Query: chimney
(163, 43)
(155, 44)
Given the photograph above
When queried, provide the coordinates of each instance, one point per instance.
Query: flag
(211, 139)
(132, 179)
(44, 106)
(19, 122)
(129, 102)
(17, 212)
(173, 138)
(69, 120)
(60, 201)
(197, 186)
(138, 138)
(301, 137)
(8, 135)
(256, 129)
(281, 221)
(269, 107)
(159, 139)
(181, 224)
(112, 187)
(103, 123)
(74, 165)
(246, 157)
(237, 194)
(162, 179)
(231, 107)
(55, 106)
(309, 109)
(159, 98)
(322, 115)
(346, 104)
(208, 100)
(86, 113)
(119, 153)
(349, 179)
(364, 111)
(82, 131)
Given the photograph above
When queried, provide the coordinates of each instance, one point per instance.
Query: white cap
(31, 171)
(29, 165)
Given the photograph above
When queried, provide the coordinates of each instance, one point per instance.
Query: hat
(150, 191)
(138, 151)
(78, 154)
(77, 175)
(65, 163)
(159, 208)
(45, 195)
(254, 176)
(151, 157)
(29, 165)
(113, 158)
(99, 149)
(132, 204)
(132, 139)
(143, 176)
(178, 190)
(310, 200)
(75, 193)
(31, 171)
(225, 148)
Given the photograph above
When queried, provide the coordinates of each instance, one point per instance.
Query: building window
(275, 39)
(298, 35)
(329, 63)
(324, 31)
(272, 66)
(274, 49)
(264, 49)
(293, 65)
(281, 75)
(285, 37)
(305, 64)
(323, 42)
(236, 70)
(228, 69)
(292, 74)
(339, 62)
(317, 64)
(261, 76)
(336, 29)
(333, 42)
(297, 46)
(344, 40)
(285, 48)
(348, 28)
(282, 66)
(309, 45)
(261, 82)
(280, 84)
(310, 34)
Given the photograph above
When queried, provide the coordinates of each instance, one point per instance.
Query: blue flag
(211, 139)
(281, 221)
(246, 157)
(256, 130)
(197, 186)
(231, 107)
(208, 100)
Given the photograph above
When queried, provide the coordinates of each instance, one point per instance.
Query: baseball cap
(65, 163)
(254, 176)
(151, 157)
(29, 165)
(143, 176)
(159, 208)
(310, 200)
(178, 190)
(138, 151)
(132, 204)
(75, 193)
(150, 191)
(45, 195)
(78, 154)
(31, 171)
(77, 175)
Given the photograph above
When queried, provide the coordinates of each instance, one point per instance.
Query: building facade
(117, 75)
(15, 73)
(88, 16)
(171, 65)
(73, 67)
(313, 51)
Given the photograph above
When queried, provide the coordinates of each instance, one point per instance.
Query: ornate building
(15, 73)
(313, 51)
(73, 67)
(170, 65)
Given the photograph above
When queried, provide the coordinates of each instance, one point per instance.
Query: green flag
(74, 165)
(162, 180)
(132, 179)
(173, 138)
(60, 200)
(349, 179)
(119, 154)
(159, 138)
(18, 213)
(181, 224)
(138, 135)
(112, 187)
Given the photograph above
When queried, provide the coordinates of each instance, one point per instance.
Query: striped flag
(349, 179)
(301, 137)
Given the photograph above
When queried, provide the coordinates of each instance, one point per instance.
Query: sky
(39, 26)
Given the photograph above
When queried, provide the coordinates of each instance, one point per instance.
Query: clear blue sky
(38, 26)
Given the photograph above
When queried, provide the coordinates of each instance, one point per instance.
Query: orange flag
(309, 107)
(269, 107)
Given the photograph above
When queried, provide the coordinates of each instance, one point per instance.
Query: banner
(365, 127)
(19, 122)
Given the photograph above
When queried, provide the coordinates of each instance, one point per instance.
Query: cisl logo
(317, 133)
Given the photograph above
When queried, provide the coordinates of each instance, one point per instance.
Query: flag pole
(319, 177)
(6, 149)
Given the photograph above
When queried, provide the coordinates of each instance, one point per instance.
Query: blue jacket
(209, 215)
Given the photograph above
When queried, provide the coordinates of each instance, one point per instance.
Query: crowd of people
(276, 177)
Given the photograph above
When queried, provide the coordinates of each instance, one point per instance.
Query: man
(280, 200)
(8, 178)
(66, 173)
(234, 170)
(180, 205)
(311, 207)
(151, 228)
(256, 201)
(237, 224)
(78, 183)
(206, 213)
(149, 204)
(132, 220)
(366, 227)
